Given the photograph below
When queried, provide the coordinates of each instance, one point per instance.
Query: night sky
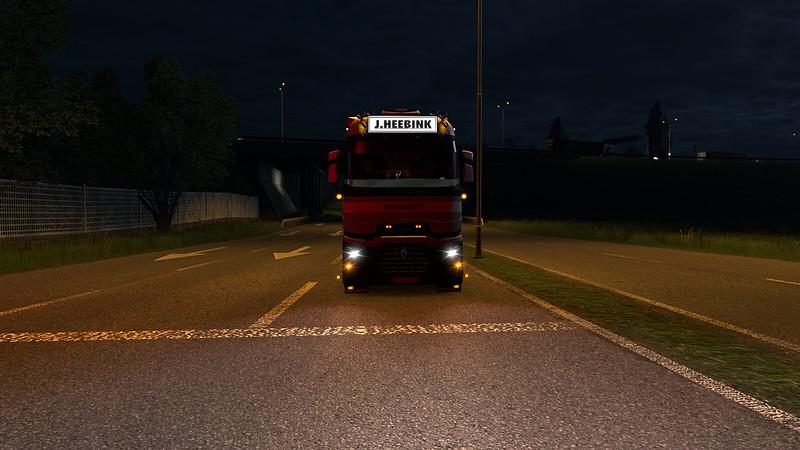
(729, 70)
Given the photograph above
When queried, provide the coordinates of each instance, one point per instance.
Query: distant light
(655, 158)
(464, 196)
(456, 286)
(338, 196)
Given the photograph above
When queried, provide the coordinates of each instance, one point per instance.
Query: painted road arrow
(297, 252)
(187, 255)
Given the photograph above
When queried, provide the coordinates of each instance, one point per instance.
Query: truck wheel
(449, 288)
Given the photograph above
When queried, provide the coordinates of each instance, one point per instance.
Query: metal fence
(37, 209)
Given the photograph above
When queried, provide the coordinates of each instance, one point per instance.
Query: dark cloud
(727, 69)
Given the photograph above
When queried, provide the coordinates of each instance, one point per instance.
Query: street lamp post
(478, 135)
(281, 90)
(669, 136)
(502, 108)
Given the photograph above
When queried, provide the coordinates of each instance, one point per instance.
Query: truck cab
(401, 180)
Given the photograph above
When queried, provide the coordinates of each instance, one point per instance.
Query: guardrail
(39, 209)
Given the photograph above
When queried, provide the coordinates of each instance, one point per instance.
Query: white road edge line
(632, 258)
(728, 326)
(47, 303)
(265, 320)
(774, 280)
(290, 233)
(775, 414)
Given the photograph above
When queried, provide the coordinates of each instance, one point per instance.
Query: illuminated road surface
(238, 347)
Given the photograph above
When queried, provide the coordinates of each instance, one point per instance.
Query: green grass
(775, 246)
(20, 255)
(764, 371)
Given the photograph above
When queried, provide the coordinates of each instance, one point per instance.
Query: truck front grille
(403, 260)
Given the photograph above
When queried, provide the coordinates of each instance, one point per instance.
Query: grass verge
(775, 246)
(761, 370)
(29, 254)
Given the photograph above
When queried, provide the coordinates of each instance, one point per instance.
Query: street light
(502, 109)
(281, 89)
(669, 135)
(478, 133)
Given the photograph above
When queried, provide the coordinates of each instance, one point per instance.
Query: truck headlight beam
(451, 253)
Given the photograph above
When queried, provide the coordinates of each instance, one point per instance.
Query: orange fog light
(458, 264)
(348, 266)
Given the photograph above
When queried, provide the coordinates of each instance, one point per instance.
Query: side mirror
(469, 175)
(469, 172)
(333, 167)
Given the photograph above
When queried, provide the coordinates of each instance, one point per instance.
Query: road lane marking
(47, 303)
(273, 314)
(632, 258)
(319, 224)
(296, 252)
(728, 326)
(337, 260)
(795, 283)
(338, 233)
(778, 415)
(290, 233)
(196, 265)
(241, 333)
(187, 255)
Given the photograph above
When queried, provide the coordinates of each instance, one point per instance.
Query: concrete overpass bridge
(289, 175)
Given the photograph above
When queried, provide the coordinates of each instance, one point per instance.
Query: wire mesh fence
(38, 209)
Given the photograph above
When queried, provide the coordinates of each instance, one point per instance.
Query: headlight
(353, 253)
(451, 253)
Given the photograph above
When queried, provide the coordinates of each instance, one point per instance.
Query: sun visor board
(402, 124)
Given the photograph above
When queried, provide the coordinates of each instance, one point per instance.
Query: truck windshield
(402, 160)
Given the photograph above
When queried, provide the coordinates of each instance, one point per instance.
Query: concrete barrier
(294, 221)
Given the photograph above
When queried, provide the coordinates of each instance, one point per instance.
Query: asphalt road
(141, 352)
(756, 294)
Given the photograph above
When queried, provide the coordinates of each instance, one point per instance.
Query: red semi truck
(401, 181)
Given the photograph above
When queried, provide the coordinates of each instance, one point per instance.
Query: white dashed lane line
(774, 280)
(182, 269)
(267, 332)
(47, 303)
(632, 258)
(273, 314)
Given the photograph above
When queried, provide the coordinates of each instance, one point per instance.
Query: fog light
(456, 286)
(350, 288)
(458, 264)
(348, 266)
